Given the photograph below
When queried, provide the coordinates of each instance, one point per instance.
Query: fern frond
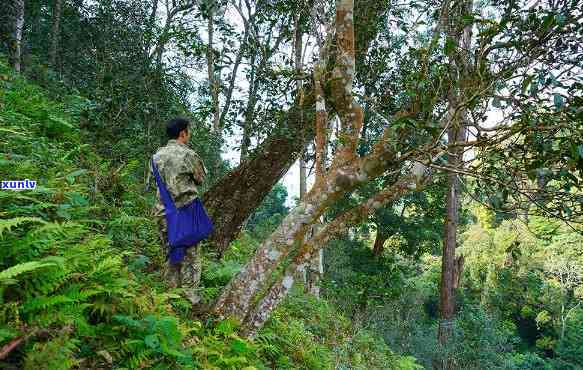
(49, 282)
(7, 276)
(42, 303)
(7, 225)
(55, 228)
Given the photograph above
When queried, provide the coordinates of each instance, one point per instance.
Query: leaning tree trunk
(233, 198)
(55, 33)
(346, 173)
(248, 297)
(18, 26)
(257, 316)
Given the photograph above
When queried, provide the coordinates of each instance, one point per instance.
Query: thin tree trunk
(55, 33)
(254, 83)
(249, 112)
(303, 175)
(298, 68)
(18, 26)
(248, 127)
(379, 243)
(247, 23)
(447, 297)
(153, 13)
(456, 132)
(563, 321)
(213, 80)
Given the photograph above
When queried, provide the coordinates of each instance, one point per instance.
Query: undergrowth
(80, 282)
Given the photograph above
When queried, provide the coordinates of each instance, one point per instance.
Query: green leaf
(240, 347)
(449, 46)
(7, 225)
(7, 276)
(152, 341)
(548, 21)
(225, 328)
(78, 199)
(468, 19)
(62, 211)
(71, 177)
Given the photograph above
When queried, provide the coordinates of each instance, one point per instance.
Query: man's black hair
(175, 126)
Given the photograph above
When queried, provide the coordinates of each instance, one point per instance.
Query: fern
(56, 354)
(7, 225)
(7, 276)
(43, 303)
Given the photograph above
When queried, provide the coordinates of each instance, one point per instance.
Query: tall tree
(459, 56)
(213, 79)
(18, 27)
(298, 68)
(346, 173)
(413, 134)
(55, 33)
(233, 198)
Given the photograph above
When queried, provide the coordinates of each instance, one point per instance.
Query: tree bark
(236, 299)
(233, 198)
(347, 172)
(457, 132)
(213, 80)
(459, 269)
(249, 112)
(298, 68)
(379, 243)
(303, 175)
(18, 26)
(55, 33)
(344, 176)
(447, 295)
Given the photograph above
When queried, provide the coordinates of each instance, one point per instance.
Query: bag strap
(164, 193)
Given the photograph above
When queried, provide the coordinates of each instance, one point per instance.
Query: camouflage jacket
(182, 171)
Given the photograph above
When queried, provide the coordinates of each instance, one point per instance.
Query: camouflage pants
(185, 274)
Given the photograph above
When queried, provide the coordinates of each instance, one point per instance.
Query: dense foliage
(446, 140)
(80, 269)
(519, 304)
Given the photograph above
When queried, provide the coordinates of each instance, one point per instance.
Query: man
(181, 170)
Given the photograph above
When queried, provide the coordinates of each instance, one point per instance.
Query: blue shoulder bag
(187, 225)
